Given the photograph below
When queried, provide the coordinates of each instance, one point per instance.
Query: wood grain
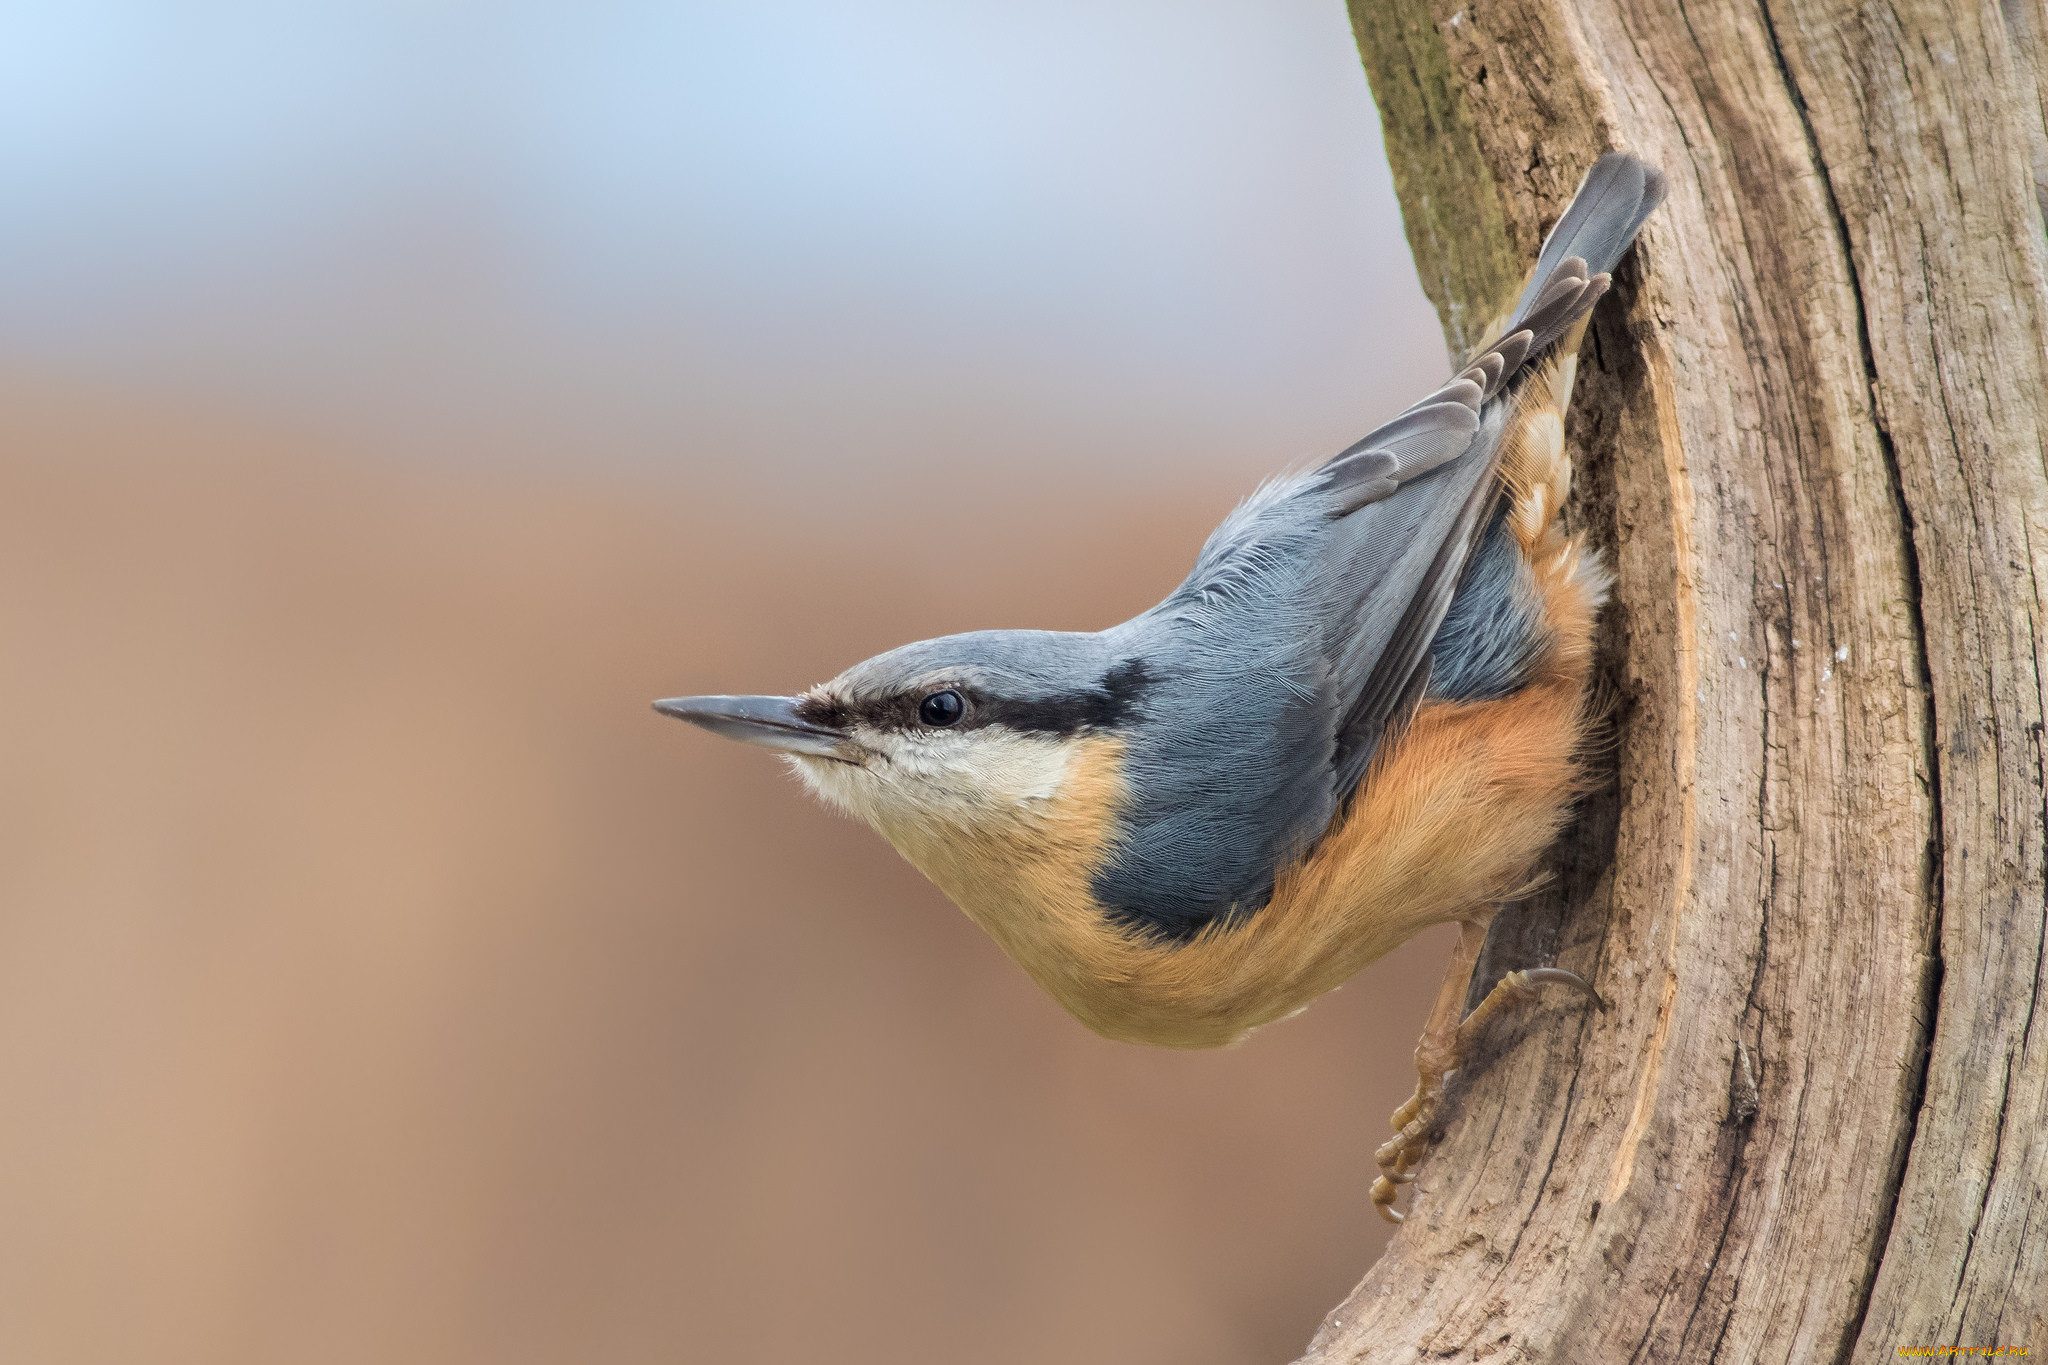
(1810, 430)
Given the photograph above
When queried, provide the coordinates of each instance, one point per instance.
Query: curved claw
(1558, 976)
(1383, 1201)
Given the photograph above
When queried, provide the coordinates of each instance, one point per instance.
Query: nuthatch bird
(1363, 713)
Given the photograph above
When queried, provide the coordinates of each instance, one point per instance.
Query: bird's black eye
(942, 708)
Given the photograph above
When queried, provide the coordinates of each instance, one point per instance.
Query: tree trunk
(1813, 1125)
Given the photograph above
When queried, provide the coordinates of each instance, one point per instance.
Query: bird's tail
(1618, 193)
(1571, 272)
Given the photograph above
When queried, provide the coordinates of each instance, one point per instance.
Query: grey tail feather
(1618, 193)
(1570, 276)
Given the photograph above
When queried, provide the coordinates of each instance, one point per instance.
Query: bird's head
(967, 732)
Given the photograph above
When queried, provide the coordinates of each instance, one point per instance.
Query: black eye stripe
(1115, 698)
(1111, 702)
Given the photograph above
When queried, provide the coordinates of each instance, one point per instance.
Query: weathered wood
(1810, 434)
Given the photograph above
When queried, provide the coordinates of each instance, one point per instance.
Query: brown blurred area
(381, 980)
(394, 400)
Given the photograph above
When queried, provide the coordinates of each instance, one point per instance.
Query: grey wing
(1266, 650)
(1286, 651)
(1406, 547)
(1303, 632)
(1415, 538)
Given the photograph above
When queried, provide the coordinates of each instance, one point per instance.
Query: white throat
(943, 779)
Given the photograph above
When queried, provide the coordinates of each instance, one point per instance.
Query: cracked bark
(1814, 1125)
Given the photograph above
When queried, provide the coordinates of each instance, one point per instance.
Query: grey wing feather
(1398, 621)
(1303, 633)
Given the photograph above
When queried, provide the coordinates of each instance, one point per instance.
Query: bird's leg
(1445, 1042)
(1435, 1057)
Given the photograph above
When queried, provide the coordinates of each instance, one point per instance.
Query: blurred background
(397, 395)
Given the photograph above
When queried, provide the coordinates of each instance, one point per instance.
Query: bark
(1813, 1125)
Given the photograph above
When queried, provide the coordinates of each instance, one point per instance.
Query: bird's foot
(1441, 1052)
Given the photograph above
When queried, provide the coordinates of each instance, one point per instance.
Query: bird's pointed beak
(769, 721)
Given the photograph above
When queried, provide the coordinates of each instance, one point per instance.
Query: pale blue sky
(484, 227)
